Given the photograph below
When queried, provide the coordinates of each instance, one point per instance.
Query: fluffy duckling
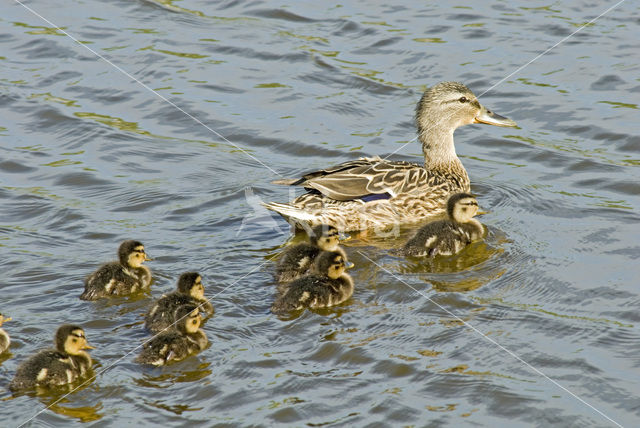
(329, 285)
(297, 260)
(176, 344)
(450, 236)
(190, 291)
(125, 276)
(4, 337)
(60, 366)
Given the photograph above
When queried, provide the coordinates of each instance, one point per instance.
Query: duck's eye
(463, 99)
(74, 340)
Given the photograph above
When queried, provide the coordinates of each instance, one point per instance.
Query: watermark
(382, 218)
(259, 214)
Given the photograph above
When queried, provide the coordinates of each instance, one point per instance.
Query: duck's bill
(491, 118)
(479, 213)
(147, 258)
(348, 265)
(87, 346)
(6, 319)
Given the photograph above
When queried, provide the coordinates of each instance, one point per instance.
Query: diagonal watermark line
(488, 338)
(91, 379)
(552, 47)
(515, 71)
(126, 73)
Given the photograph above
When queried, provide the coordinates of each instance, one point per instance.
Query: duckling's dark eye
(74, 340)
(463, 99)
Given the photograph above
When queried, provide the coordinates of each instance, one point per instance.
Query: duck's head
(190, 283)
(71, 339)
(131, 253)
(449, 105)
(325, 237)
(188, 318)
(331, 263)
(4, 319)
(461, 207)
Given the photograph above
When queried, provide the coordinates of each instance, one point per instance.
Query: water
(90, 157)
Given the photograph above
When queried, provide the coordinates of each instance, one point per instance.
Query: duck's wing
(365, 178)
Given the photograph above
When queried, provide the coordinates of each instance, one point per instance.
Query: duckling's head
(448, 105)
(324, 236)
(131, 253)
(331, 263)
(190, 283)
(461, 207)
(188, 318)
(71, 339)
(4, 319)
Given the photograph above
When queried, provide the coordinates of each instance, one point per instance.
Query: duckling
(176, 344)
(5, 341)
(328, 285)
(52, 367)
(450, 236)
(189, 291)
(298, 259)
(125, 276)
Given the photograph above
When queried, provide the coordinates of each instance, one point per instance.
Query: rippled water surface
(165, 121)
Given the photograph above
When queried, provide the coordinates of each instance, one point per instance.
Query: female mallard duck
(298, 259)
(450, 236)
(329, 285)
(4, 337)
(53, 367)
(125, 276)
(189, 291)
(375, 192)
(177, 344)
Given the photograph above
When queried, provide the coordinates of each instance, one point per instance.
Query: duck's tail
(287, 181)
(292, 213)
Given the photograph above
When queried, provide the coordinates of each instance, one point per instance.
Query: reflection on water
(82, 414)
(176, 373)
(476, 265)
(57, 399)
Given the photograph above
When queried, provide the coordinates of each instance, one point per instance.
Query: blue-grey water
(173, 134)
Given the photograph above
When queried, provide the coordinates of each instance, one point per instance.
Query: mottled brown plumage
(378, 193)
